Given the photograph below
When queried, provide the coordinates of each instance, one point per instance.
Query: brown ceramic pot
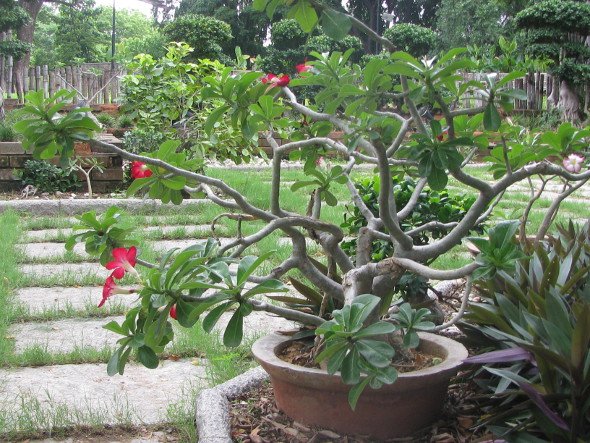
(314, 397)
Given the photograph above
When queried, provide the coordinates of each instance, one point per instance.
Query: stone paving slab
(43, 299)
(144, 394)
(49, 234)
(47, 250)
(73, 206)
(78, 269)
(64, 336)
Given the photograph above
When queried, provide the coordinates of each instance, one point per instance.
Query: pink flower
(173, 312)
(111, 288)
(124, 261)
(273, 80)
(140, 170)
(321, 162)
(573, 163)
(303, 68)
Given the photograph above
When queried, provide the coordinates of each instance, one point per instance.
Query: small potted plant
(347, 304)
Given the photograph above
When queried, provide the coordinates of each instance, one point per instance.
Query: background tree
(415, 39)
(12, 18)
(25, 35)
(249, 27)
(79, 35)
(559, 30)
(208, 36)
(416, 12)
(290, 46)
(465, 22)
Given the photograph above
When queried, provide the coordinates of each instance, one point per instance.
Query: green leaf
(305, 15)
(379, 328)
(234, 331)
(335, 24)
(377, 353)
(113, 364)
(350, 370)
(147, 357)
(438, 179)
(491, 118)
(356, 391)
(214, 315)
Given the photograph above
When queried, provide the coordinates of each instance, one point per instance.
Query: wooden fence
(96, 82)
(538, 87)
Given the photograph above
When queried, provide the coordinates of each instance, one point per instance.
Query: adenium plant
(377, 107)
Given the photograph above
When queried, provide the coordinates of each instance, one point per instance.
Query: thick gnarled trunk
(25, 34)
(569, 103)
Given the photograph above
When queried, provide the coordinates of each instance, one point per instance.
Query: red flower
(110, 288)
(140, 170)
(273, 80)
(173, 312)
(303, 68)
(124, 261)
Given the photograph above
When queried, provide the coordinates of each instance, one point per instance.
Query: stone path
(141, 396)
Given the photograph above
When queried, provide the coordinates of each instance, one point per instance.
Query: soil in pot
(312, 396)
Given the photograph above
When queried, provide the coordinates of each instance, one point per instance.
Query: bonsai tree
(558, 30)
(348, 303)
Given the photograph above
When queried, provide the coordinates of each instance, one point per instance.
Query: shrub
(47, 177)
(432, 206)
(106, 120)
(142, 140)
(124, 121)
(415, 39)
(7, 132)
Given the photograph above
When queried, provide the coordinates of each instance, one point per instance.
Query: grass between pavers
(37, 420)
(10, 277)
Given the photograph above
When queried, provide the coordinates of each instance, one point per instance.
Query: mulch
(255, 418)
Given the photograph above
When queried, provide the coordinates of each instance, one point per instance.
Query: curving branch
(459, 315)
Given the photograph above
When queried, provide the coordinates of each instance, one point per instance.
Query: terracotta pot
(314, 397)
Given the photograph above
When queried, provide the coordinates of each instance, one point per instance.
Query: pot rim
(265, 348)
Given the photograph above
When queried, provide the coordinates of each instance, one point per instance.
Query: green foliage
(506, 56)
(290, 46)
(78, 35)
(166, 96)
(415, 39)
(143, 140)
(550, 28)
(181, 280)
(12, 17)
(353, 349)
(47, 177)
(411, 321)
(125, 121)
(287, 34)
(249, 27)
(7, 132)
(542, 306)
(321, 181)
(106, 119)
(102, 234)
(465, 22)
(432, 206)
(499, 252)
(208, 36)
(47, 132)
(161, 185)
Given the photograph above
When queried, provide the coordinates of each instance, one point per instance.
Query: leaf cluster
(541, 306)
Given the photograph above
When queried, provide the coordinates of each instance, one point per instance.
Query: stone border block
(212, 405)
